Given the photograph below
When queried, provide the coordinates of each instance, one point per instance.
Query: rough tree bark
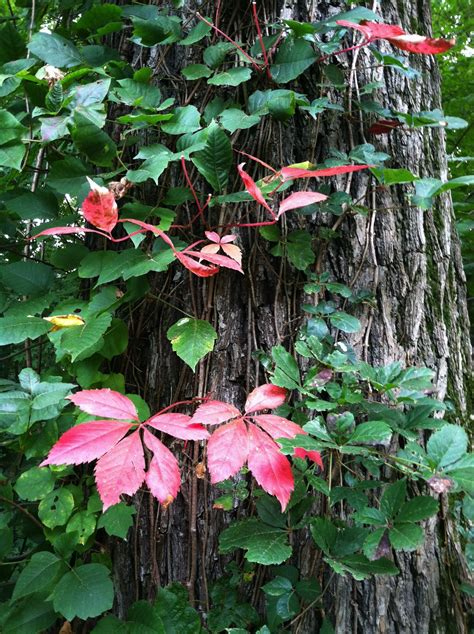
(408, 258)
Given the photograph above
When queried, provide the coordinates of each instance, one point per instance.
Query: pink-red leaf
(178, 425)
(201, 270)
(266, 396)
(394, 34)
(278, 427)
(268, 466)
(291, 173)
(58, 231)
(163, 477)
(313, 455)
(121, 470)
(299, 199)
(214, 412)
(384, 126)
(86, 442)
(227, 450)
(220, 260)
(105, 402)
(99, 207)
(252, 188)
(233, 251)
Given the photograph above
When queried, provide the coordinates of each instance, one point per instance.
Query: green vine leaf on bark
(192, 339)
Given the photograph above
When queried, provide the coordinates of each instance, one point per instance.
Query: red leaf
(252, 188)
(227, 450)
(313, 455)
(268, 466)
(201, 270)
(163, 477)
(278, 427)
(100, 208)
(299, 199)
(214, 412)
(120, 470)
(291, 173)
(421, 44)
(233, 251)
(220, 260)
(105, 402)
(384, 126)
(58, 231)
(179, 426)
(86, 442)
(398, 37)
(266, 396)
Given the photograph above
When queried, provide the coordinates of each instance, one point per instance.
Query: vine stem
(239, 48)
(260, 39)
(22, 510)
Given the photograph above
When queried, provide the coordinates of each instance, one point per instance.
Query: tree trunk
(408, 258)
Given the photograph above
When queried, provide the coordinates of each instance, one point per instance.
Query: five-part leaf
(163, 477)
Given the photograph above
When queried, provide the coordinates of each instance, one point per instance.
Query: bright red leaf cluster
(250, 438)
(121, 467)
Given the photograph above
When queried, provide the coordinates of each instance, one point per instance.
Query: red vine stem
(260, 38)
(239, 48)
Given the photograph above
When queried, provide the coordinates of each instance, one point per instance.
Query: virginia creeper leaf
(105, 402)
(86, 442)
(214, 412)
(227, 450)
(120, 470)
(179, 426)
(163, 476)
(266, 396)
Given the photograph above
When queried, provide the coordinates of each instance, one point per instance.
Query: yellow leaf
(64, 321)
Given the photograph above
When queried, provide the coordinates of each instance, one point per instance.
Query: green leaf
(27, 277)
(185, 119)
(264, 544)
(35, 483)
(117, 520)
(84, 592)
(157, 160)
(286, 373)
(94, 142)
(420, 508)
(102, 19)
(299, 249)
(393, 498)
(234, 119)
(10, 128)
(172, 607)
(17, 329)
(214, 55)
(278, 586)
(360, 567)
(38, 574)
(82, 524)
(192, 339)
(372, 431)
(387, 176)
(372, 542)
(231, 77)
(196, 71)
(56, 508)
(12, 154)
(83, 341)
(406, 536)
(136, 93)
(215, 161)
(324, 534)
(160, 30)
(447, 445)
(34, 614)
(345, 322)
(196, 34)
(292, 59)
(55, 50)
